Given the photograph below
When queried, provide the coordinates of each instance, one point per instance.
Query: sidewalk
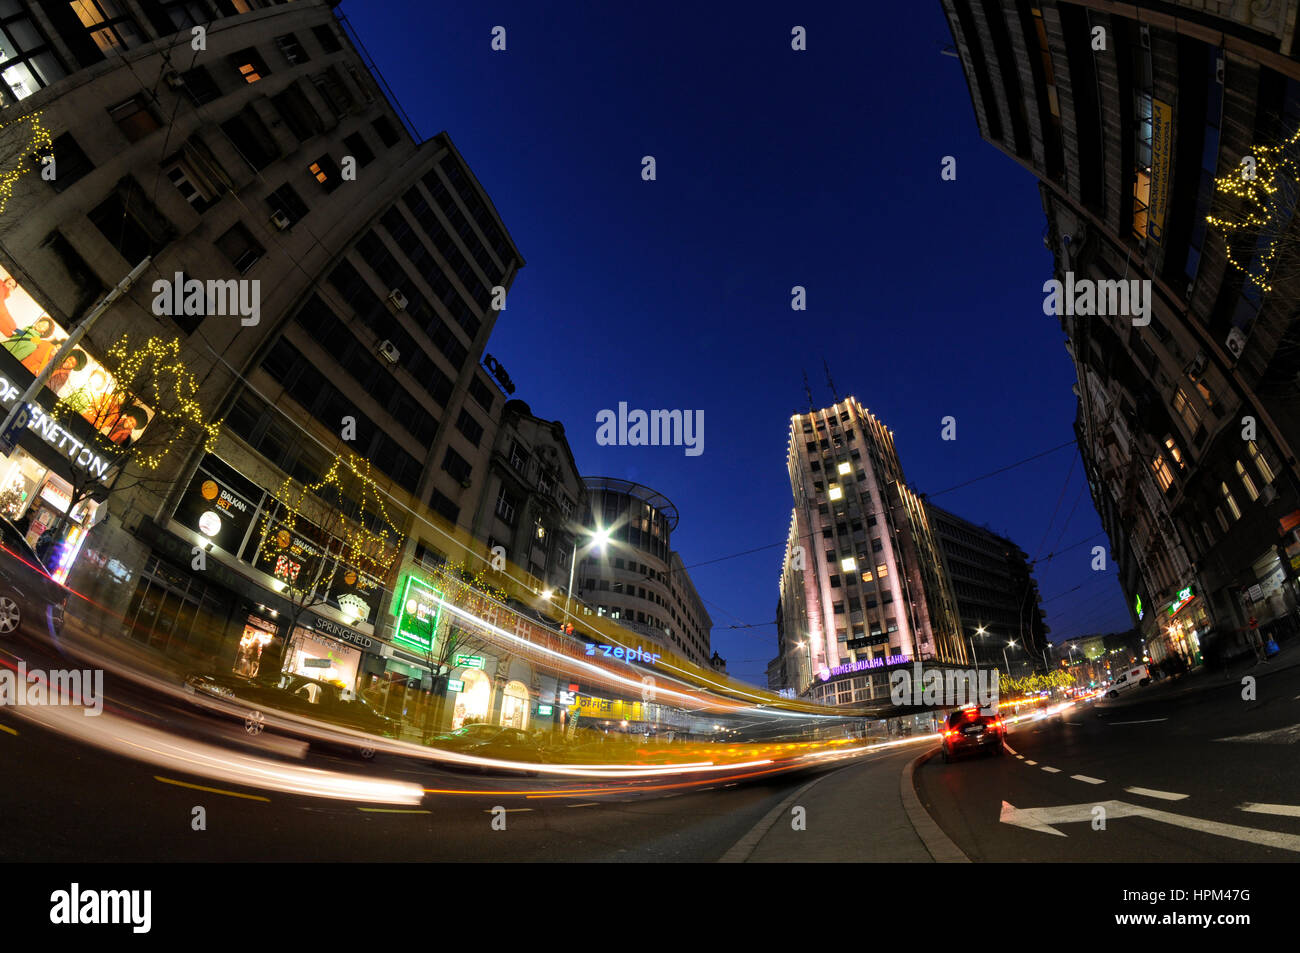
(1205, 680)
(853, 815)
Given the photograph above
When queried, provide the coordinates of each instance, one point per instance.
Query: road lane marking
(1151, 792)
(1021, 757)
(506, 810)
(1042, 818)
(1277, 736)
(200, 787)
(588, 804)
(1008, 747)
(393, 810)
(1027, 761)
(1284, 810)
(1146, 721)
(1087, 780)
(1051, 770)
(7, 730)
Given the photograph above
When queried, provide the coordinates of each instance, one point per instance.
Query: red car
(970, 730)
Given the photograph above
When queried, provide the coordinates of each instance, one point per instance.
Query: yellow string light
(40, 143)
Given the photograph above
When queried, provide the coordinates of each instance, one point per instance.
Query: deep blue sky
(775, 168)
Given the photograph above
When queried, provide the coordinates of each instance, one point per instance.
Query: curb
(1205, 682)
(743, 849)
(940, 845)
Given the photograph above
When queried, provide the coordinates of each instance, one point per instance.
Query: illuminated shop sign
(469, 661)
(48, 429)
(1184, 596)
(862, 665)
(543, 710)
(1137, 607)
(215, 508)
(33, 337)
(341, 632)
(455, 685)
(637, 654)
(417, 616)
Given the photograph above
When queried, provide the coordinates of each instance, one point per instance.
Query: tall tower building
(863, 587)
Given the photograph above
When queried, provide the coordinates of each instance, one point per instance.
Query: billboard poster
(33, 337)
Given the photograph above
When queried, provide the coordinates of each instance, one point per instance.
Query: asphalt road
(1205, 777)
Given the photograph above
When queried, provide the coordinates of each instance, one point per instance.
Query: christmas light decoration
(1265, 188)
(39, 144)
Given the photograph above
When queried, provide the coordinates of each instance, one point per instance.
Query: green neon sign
(543, 710)
(417, 616)
(455, 685)
(469, 661)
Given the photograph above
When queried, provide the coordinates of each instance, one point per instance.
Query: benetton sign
(34, 418)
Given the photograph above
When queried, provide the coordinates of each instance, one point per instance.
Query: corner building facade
(863, 586)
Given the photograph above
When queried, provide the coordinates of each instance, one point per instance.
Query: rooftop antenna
(808, 390)
(831, 381)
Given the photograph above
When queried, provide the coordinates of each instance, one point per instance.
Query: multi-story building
(269, 156)
(1143, 122)
(997, 598)
(532, 498)
(636, 577)
(863, 586)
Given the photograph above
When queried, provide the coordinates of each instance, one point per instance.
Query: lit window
(882, 570)
(1164, 476)
(109, 28)
(1174, 451)
(845, 468)
(835, 492)
(1265, 471)
(1232, 503)
(849, 564)
(1185, 408)
(1247, 481)
(866, 576)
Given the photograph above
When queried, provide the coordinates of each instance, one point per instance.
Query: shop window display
(473, 701)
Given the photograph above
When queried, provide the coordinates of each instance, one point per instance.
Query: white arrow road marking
(1151, 792)
(1042, 819)
(1087, 780)
(1285, 810)
(1278, 736)
(1145, 721)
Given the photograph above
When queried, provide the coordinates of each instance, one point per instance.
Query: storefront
(259, 631)
(1184, 623)
(36, 498)
(317, 656)
(473, 697)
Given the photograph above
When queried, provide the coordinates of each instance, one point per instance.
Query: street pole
(19, 417)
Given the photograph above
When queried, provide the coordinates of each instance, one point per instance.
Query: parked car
(1137, 676)
(29, 596)
(299, 695)
(969, 729)
(492, 741)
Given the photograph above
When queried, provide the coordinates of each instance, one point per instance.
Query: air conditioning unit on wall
(388, 350)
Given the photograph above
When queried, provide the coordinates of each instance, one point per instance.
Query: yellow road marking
(7, 729)
(392, 810)
(199, 787)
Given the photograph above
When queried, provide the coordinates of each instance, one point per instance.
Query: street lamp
(598, 539)
(981, 632)
(1011, 644)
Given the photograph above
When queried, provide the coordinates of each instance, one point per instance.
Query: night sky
(775, 168)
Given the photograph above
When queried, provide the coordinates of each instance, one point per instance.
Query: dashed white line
(1163, 795)
(1051, 770)
(1145, 721)
(1087, 780)
(506, 810)
(1027, 761)
(1285, 810)
(1021, 757)
(588, 804)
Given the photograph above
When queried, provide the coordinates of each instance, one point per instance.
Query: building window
(386, 132)
(1174, 452)
(134, 118)
(849, 564)
(288, 203)
(251, 139)
(457, 466)
(327, 38)
(291, 49)
(1247, 482)
(1223, 520)
(332, 89)
(200, 87)
(1230, 501)
(835, 492)
(250, 65)
(178, 172)
(518, 456)
(358, 149)
(26, 61)
(1187, 410)
(298, 113)
(506, 508)
(1261, 464)
(882, 570)
(131, 224)
(110, 29)
(237, 244)
(326, 172)
(69, 161)
(867, 576)
(471, 428)
(1164, 476)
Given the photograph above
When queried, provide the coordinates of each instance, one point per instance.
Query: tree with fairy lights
(1252, 210)
(329, 542)
(144, 417)
(25, 147)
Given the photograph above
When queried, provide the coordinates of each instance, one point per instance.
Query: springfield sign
(38, 421)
